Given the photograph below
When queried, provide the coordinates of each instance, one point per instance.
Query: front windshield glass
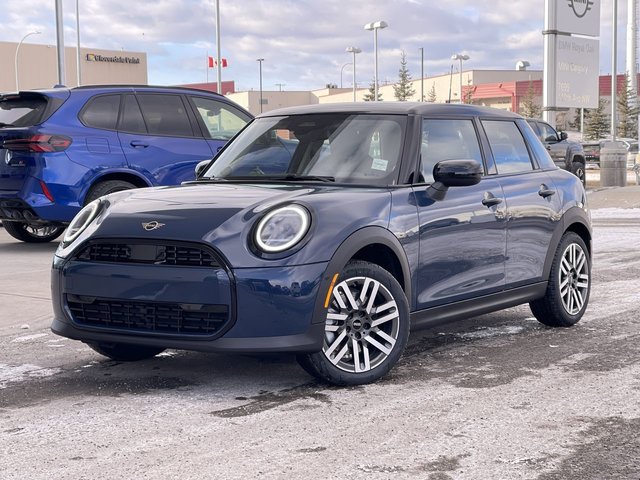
(345, 148)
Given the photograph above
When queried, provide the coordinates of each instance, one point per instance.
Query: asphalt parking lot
(493, 397)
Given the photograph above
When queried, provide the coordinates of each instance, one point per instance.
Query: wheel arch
(133, 178)
(575, 220)
(372, 244)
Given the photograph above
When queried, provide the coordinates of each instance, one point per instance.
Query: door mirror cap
(202, 166)
(458, 173)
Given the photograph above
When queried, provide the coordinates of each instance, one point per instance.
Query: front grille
(149, 254)
(149, 317)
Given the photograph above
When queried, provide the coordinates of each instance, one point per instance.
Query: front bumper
(277, 309)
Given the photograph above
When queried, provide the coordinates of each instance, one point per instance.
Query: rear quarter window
(539, 150)
(101, 112)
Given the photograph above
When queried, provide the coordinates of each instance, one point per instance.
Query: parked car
(592, 151)
(60, 149)
(565, 153)
(388, 217)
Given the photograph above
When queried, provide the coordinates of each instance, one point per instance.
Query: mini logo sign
(154, 225)
(580, 7)
(92, 57)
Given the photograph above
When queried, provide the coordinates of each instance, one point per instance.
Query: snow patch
(26, 338)
(487, 332)
(19, 373)
(615, 213)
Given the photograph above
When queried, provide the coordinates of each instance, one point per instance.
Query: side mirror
(453, 173)
(202, 166)
(551, 139)
(457, 173)
(563, 135)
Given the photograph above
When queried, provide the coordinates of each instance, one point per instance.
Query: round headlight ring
(297, 210)
(81, 221)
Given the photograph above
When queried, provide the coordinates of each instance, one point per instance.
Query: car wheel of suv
(578, 169)
(124, 352)
(367, 327)
(105, 188)
(569, 285)
(32, 233)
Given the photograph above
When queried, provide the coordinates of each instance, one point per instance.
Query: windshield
(22, 111)
(346, 148)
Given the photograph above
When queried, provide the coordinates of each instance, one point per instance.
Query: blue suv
(60, 149)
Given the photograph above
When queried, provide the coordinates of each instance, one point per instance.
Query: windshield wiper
(2, 124)
(293, 176)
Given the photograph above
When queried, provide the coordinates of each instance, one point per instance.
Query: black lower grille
(167, 318)
(150, 254)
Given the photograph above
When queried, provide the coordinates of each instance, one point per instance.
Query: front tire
(569, 286)
(367, 327)
(32, 233)
(122, 352)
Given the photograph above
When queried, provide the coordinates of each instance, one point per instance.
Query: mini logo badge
(154, 225)
(580, 7)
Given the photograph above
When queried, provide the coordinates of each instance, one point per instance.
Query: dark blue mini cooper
(331, 231)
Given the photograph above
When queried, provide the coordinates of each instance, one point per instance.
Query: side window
(547, 134)
(131, 120)
(507, 145)
(101, 112)
(447, 140)
(539, 150)
(222, 121)
(165, 115)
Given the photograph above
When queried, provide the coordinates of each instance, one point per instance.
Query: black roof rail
(121, 85)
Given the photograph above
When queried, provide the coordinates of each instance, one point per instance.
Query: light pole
(260, 60)
(354, 51)
(341, 70)
(422, 74)
(375, 26)
(17, 50)
(78, 66)
(462, 58)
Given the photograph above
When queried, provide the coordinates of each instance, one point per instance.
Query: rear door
(160, 137)
(533, 204)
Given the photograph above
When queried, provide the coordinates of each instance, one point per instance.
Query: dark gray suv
(565, 153)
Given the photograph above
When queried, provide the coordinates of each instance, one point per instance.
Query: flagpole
(218, 57)
(206, 65)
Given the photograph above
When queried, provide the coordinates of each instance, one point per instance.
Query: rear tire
(578, 169)
(105, 188)
(366, 329)
(32, 233)
(122, 352)
(569, 286)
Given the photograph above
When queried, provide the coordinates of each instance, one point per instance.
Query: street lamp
(341, 70)
(260, 60)
(375, 26)
(462, 58)
(354, 51)
(17, 50)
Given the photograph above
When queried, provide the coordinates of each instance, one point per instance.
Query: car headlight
(80, 222)
(282, 228)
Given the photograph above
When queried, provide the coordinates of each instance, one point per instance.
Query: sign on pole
(581, 17)
(577, 61)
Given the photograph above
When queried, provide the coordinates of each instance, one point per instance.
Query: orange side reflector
(333, 282)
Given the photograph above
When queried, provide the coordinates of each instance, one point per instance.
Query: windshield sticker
(379, 164)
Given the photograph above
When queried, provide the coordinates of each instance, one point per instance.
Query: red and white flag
(213, 63)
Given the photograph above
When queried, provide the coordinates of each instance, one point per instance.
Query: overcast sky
(303, 42)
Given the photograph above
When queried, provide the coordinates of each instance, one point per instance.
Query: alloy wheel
(574, 278)
(362, 325)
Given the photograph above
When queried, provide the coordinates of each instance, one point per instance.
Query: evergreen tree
(529, 108)
(403, 90)
(468, 94)
(431, 96)
(596, 122)
(368, 97)
(627, 111)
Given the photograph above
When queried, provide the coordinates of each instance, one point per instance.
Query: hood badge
(154, 225)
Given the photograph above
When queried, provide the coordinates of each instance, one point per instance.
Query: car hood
(223, 215)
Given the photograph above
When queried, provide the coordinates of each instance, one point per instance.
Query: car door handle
(545, 192)
(138, 144)
(490, 201)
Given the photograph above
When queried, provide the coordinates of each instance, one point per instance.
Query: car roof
(121, 87)
(394, 108)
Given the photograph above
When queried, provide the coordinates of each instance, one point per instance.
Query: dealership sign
(92, 57)
(577, 70)
(581, 17)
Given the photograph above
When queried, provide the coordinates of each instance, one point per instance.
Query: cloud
(303, 42)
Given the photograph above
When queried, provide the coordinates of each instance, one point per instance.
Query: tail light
(38, 143)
